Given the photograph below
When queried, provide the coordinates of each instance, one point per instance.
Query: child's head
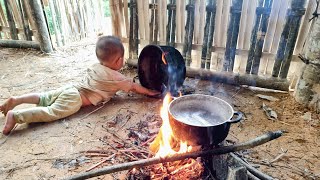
(110, 51)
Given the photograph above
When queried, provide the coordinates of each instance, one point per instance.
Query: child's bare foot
(10, 123)
(8, 105)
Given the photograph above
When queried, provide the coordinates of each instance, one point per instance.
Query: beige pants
(53, 105)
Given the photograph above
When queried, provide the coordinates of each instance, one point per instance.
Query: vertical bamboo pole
(4, 22)
(12, 24)
(141, 19)
(54, 23)
(133, 38)
(24, 18)
(126, 17)
(261, 36)
(305, 27)
(254, 37)
(217, 37)
(59, 21)
(288, 38)
(171, 26)
(178, 19)
(169, 8)
(208, 34)
(232, 37)
(17, 16)
(187, 47)
(258, 35)
(43, 33)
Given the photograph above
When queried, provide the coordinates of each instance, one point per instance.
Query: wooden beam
(19, 44)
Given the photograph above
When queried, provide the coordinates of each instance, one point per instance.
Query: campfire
(165, 144)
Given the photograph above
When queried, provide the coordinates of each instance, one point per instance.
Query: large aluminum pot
(201, 119)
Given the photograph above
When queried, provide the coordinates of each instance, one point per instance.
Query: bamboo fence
(239, 36)
(71, 20)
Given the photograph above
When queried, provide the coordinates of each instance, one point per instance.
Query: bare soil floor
(60, 149)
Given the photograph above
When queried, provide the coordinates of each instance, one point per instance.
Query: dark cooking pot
(161, 68)
(201, 119)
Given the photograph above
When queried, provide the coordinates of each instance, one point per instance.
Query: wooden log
(286, 45)
(43, 33)
(12, 24)
(297, 12)
(19, 44)
(239, 79)
(232, 35)
(307, 90)
(156, 160)
(232, 78)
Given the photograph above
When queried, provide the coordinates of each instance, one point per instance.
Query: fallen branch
(156, 160)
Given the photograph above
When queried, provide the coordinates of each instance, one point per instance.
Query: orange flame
(163, 58)
(166, 132)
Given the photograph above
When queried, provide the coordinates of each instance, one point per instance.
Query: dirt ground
(60, 149)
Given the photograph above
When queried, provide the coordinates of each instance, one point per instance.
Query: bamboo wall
(71, 20)
(266, 18)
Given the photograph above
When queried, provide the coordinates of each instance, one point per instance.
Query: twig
(279, 156)
(92, 112)
(149, 140)
(146, 162)
(1, 143)
(104, 160)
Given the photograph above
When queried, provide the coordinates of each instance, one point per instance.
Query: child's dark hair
(108, 46)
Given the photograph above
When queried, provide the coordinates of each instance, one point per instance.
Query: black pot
(161, 68)
(201, 119)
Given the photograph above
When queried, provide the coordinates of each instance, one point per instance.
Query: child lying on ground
(101, 82)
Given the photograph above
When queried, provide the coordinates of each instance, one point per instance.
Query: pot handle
(238, 118)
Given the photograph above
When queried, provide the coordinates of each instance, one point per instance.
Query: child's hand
(153, 93)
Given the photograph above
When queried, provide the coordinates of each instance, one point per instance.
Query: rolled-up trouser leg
(57, 104)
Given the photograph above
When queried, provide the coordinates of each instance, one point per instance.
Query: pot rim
(209, 96)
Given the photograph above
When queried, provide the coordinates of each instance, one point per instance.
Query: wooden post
(208, 34)
(286, 44)
(133, 38)
(171, 26)
(232, 35)
(12, 24)
(187, 47)
(40, 23)
(307, 91)
(24, 17)
(258, 36)
(54, 22)
(297, 12)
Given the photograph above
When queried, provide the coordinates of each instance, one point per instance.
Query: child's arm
(142, 90)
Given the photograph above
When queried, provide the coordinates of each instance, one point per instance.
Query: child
(101, 82)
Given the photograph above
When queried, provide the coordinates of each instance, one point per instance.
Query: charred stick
(156, 160)
(251, 169)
